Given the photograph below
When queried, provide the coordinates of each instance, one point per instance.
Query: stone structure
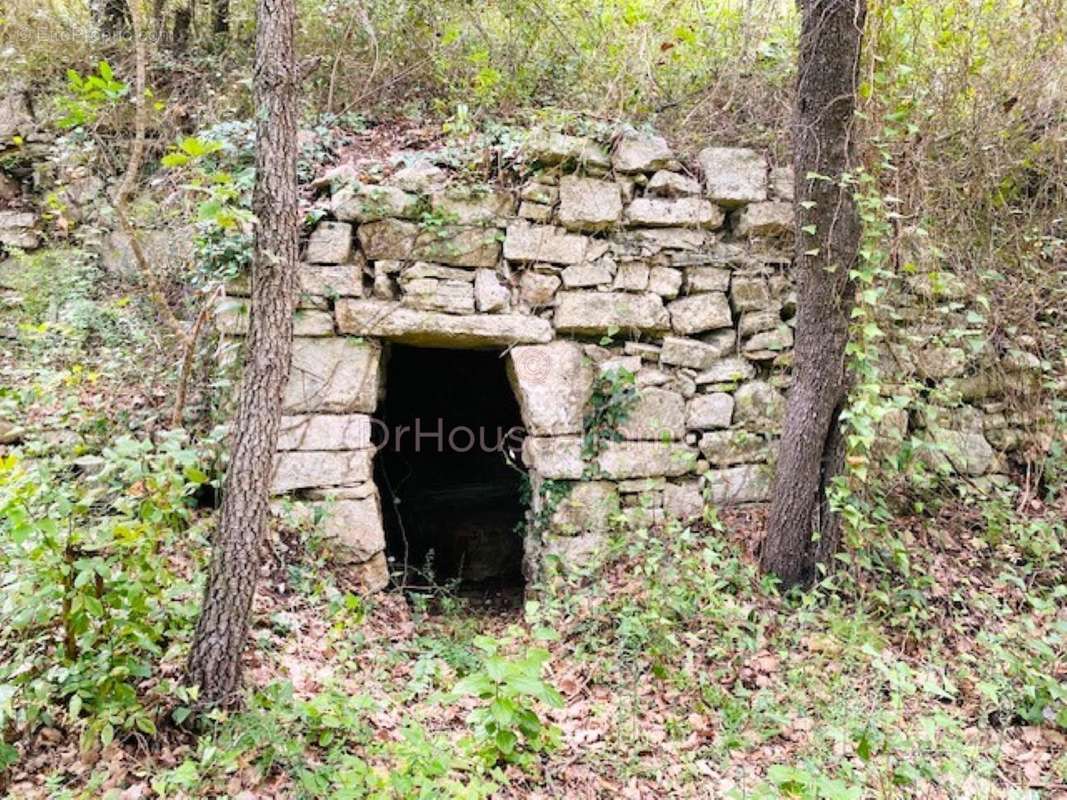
(600, 259)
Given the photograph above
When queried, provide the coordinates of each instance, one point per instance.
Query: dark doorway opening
(447, 469)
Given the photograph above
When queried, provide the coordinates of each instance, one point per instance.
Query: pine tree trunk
(802, 532)
(215, 659)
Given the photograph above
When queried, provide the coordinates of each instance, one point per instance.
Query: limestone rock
(330, 243)
(587, 508)
(430, 329)
(631, 277)
(553, 383)
(341, 280)
(540, 193)
(641, 153)
(666, 213)
(782, 183)
(10, 433)
(490, 294)
(302, 469)
(361, 202)
(429, 294)
(759, 403)
(683, 501)
(749, 293)
(672, 184)
(599, 312)
(549, 147)
(967, 452)
(459, 246)
(325, 432)
(772, 218)
(372, 575)
(538, 289)
(709, 411)
(555, 457)
(731, 447)
(421, 270)
(587, 204)
(579, 276)
(728, 370)
(665, 282)
(388, 239)
(312, 323)
(706, 279)
(623, 460)
(734, 176)
(690, 353)
(758, 321)
(745, 484)
(354, 527)
(766, 345)
(420, 177)
(466, 206)
(535, 212)
(531, 243)
(16, 230)
(937, 362)
(655, 240)
(332, 375)
(658, 415)
(16, 118)
(700, 312)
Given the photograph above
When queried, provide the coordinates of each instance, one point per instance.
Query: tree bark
(215, 659)
(802, 530)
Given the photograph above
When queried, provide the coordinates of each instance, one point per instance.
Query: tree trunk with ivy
(802, 531)
(221, 633)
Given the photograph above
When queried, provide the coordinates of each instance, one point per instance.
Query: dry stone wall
(599, 260)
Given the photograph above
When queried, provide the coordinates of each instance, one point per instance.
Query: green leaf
(506, 741)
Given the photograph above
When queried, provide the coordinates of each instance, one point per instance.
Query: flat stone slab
(700, 312)
(600, 312)
(587, 204)
(641, 153)
(693, 353)
(734, 176)
(361, 202)
(392, 321)
(624, 460)
(332, 375)
(773, 218)
(554, 457)
(588, 508)
(330, 243)
(553, 383)
(707, 411)
(325, 432)
(658, 415)
(306, 469)
(693, 212)
(544, 243)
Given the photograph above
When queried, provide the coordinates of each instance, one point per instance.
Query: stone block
(772, 218)
(434, 329)
(533, 243)
(765, 345)
(587, 204)
(691, 353)
(361, 202)
(683, 501)
(587, 508)
(631, 277)
(636, 152)
(468, 206)
(782, 183)
(428, 294)
(305, 469)
(758, 403)
(672, 184)
(325, 432)
(731, 447)
(553, 383)
(700, 312)
(706, 279)
(749, 293)
(705, 411)
(16, 230)
(600, 312)
(550, 147)
(342, 280)
(459, 246)
(579, 276)
(750, 483)
(332, 375)
(490, 295)
(330, 243)
(727, 370)
(665, 282)
(670, 213)
(734, 176)
(658, 415)
(538, 289)
(625, 460)
(535, 212)
(390, 239)
(555, 457)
